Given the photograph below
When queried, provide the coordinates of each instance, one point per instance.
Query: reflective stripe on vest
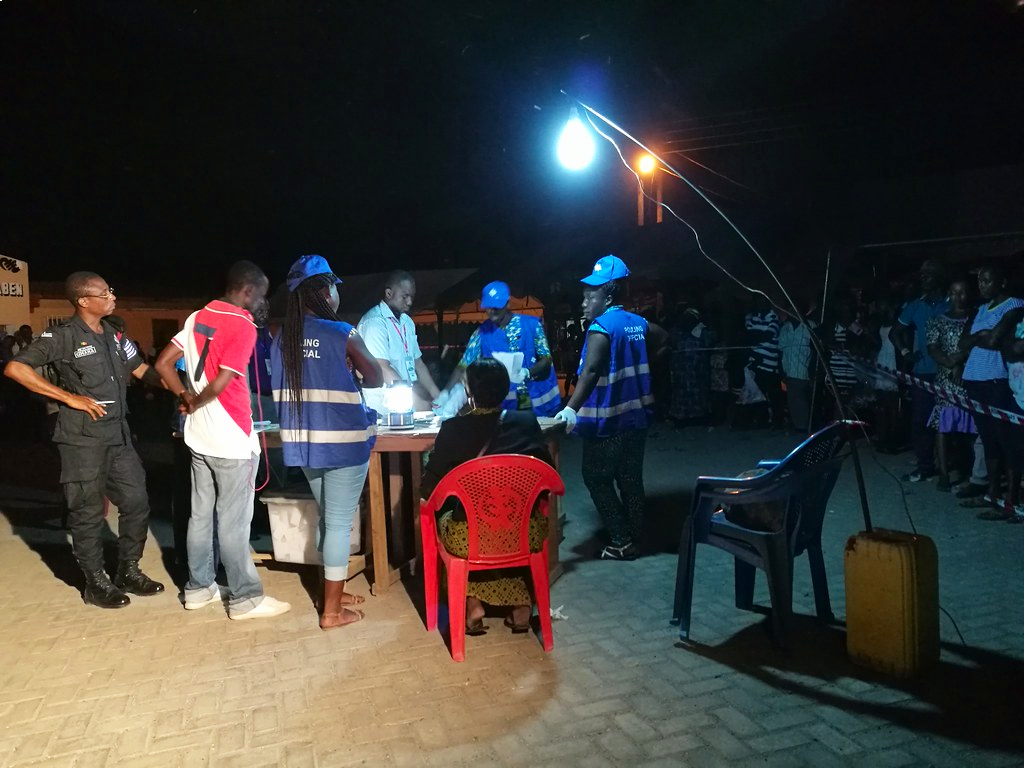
(545, 396)
(615, 410)
(334, 429)
(327, 435)
(632, 370)
(319, 396)
(622, 399)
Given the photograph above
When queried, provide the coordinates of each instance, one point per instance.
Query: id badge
(410, 369)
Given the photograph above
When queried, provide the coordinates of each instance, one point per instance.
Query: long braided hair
(309, 296)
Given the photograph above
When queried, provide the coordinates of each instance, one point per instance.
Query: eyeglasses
(107, 295)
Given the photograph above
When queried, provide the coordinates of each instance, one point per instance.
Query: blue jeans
(222, 491)
(337, 494)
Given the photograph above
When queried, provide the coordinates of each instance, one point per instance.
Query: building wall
(14, 294)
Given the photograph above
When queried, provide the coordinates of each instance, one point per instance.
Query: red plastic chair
(498, 493)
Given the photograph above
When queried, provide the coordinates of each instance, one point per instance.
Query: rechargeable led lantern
(398, 402)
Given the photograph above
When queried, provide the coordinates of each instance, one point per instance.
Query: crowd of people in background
(762, 365)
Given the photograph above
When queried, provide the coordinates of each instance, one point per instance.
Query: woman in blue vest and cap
(535, 386)
(325, 429)
(612, 404)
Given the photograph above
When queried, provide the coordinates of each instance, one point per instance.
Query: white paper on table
(513, 362)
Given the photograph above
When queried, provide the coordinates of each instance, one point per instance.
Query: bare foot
(474, 610)
(520, 615)
(345, 616)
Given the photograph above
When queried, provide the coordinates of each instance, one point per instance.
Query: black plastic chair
(802, 482)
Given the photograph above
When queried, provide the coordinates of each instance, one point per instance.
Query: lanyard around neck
(401, 333)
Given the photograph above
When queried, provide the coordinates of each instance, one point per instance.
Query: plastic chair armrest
(706, 481)
(747, 496)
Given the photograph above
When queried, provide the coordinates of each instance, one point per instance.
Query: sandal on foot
(995, 514)
(476, 628)
(343, 618)
(969, 490)
(517, 629)
(348, 598)
(627, 552)
(978, 502)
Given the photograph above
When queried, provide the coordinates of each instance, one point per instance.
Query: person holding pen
(92, 361)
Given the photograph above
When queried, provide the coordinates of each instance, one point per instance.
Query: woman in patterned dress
(948, 419)
(486, 430)
(691, 369)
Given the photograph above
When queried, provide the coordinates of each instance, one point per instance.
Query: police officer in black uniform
(93, 360)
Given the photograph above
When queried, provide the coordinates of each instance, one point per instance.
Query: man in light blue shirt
(795, 347)
(390, 336)
(908, 336)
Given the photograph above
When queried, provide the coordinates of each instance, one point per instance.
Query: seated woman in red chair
(486, 430)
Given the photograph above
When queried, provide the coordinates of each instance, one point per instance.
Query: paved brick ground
(153, 685)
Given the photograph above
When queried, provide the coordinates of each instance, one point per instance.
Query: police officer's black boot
(131, 579)
(100, 591)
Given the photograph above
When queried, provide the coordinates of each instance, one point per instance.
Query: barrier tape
(967, 403)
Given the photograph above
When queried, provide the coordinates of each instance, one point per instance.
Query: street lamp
(646, 164)
(647, 168)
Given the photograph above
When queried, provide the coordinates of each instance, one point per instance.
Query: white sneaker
(268, 607)
(195, 605)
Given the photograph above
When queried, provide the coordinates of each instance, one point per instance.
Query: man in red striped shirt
(217, 342)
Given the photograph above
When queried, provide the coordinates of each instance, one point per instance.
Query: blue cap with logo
(307, 266)
(495, 296)
(606, 269)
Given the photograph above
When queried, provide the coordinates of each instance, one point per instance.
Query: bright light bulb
(575, 145)
(646, 164)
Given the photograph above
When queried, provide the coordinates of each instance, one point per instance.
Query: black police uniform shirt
(93, 364)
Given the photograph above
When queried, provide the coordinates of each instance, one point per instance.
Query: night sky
(156, 142)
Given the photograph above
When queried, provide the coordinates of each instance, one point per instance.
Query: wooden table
(404, 469)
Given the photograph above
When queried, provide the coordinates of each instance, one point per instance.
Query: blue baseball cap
(307, 266)
(606, 269)
(495, 296)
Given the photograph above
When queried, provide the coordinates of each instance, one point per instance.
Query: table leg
(416, 466)
(396, 506)
(554, 523)
(378, 527)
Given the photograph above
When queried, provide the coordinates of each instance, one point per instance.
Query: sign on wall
(15, 309)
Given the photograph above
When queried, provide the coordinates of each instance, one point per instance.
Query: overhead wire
(758, 113)
(812, 336)
(843, 408)
(668, 208)
(671, 170)
(713, 171)
(730, 134)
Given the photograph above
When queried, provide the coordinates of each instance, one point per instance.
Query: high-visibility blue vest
(622, 400)
(335, 429)
(544, 394)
